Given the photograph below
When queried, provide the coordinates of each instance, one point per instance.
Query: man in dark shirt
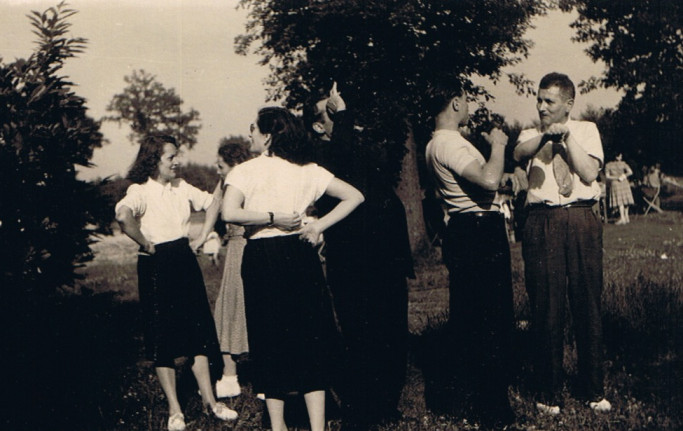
(368, 259)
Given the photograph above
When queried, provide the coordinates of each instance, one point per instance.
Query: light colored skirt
(620, 194)
(229, 314)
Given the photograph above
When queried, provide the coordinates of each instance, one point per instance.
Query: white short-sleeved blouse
(270, 183)
(164, 210)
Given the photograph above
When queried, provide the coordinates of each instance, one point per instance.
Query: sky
(188, 46)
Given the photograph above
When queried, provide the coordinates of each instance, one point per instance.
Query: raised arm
(488, 175)
(585, 165)
(527, 149)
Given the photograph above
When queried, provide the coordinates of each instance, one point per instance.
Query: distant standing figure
(620, 195)
(177, 321)
(653, 184)
(229, 314)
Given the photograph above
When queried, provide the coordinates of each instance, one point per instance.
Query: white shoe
(548, 409)
(261, 397)
(223, 412)
(176, 422)
(228, 386)
(601, 406)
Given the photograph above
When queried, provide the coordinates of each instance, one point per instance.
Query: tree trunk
(411, 194)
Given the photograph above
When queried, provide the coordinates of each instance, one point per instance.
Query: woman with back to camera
(177, 321)
(289, 320)
(231, 322)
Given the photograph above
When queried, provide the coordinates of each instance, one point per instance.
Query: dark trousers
(562, 250)
(477, 255)
(371, 301)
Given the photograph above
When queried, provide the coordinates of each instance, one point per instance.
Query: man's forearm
(527, 149)
(586, 166)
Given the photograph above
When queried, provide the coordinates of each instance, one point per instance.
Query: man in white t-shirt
(477, 255)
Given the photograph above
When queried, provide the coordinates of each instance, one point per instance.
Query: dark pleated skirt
(289, 313)
(177, 319)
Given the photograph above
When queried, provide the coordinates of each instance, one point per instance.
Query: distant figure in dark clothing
(368, 259)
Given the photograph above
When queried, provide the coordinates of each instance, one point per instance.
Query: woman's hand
(311, 233)
(196, 243)
(285, 221)
(148, 248)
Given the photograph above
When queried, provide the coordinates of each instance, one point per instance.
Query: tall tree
(384, 54)
(641, 43)
(150, 108)
(45, 131)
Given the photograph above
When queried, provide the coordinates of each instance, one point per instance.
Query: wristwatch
(272, 217)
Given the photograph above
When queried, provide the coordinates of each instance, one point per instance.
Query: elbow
(360, 198)
(490, 185)
(517, 154)
(589, 175)
(122, 217)
(227, 216)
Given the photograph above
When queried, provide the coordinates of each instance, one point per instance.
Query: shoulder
(587, 126)
(528, 134)
(181, 184)
(136, 189)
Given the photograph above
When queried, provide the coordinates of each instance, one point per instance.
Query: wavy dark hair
(233, 154)
(289, 139)
(146, 163)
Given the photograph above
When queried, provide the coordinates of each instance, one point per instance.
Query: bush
(45, 132)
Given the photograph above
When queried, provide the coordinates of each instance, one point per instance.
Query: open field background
(91, 336)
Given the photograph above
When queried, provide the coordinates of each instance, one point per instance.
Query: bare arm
(629, 171)
(209, 218)
(233, 212)
(130, 227)
(349, 198)
(527, 149)
(585, 165)
(488, 176)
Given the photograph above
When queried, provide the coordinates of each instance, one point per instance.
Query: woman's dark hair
(146, 163)
(233, 154)
(289, 139)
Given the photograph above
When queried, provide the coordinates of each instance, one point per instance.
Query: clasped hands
(557, 132)
(310, 232)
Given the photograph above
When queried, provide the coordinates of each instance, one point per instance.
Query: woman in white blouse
(177, 320)
(288, 314)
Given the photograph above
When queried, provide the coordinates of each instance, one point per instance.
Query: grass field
(93, 335)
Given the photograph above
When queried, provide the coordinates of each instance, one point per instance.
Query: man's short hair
(439, 96)
(560, 80)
